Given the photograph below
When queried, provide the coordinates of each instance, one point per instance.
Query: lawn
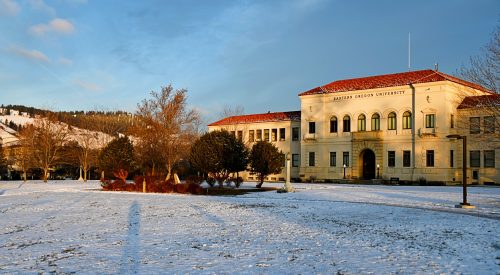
(68, 227)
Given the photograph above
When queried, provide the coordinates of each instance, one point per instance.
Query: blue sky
(90, 54)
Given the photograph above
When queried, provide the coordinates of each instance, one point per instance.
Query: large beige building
(387, 126)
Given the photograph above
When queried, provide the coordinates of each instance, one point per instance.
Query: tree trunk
(24, 175)
(169, 172)
(261, 181)
(45, 174)
(84, 174)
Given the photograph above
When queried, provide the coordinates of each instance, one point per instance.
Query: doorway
(368, 157)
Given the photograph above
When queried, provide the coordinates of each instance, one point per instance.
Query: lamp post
(344, 169)
(288, 186)
(464, 203)
(378, 171)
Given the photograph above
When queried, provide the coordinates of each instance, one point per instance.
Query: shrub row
(154, 185)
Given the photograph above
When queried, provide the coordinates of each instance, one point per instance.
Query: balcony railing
(310, 136)
(423, 132)
(367, 135)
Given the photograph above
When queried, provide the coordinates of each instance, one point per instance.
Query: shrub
(237, 181)
(211, 182)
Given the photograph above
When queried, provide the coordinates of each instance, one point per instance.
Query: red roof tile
(480, 101)
(388, 80)
(255, 118)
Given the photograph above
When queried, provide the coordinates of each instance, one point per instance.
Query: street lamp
(344, 169)
(288, 185)
(378, 171)
(464, 203)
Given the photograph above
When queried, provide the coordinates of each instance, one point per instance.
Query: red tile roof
(480, 101)
(255, 118)
(388, 80)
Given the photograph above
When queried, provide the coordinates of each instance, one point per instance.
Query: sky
(109, 55)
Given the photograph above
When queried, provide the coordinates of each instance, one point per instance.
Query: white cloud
(65, 61)
(30, 54)
(57, 25)
(42, 6)
(9, 7)
(87, 85)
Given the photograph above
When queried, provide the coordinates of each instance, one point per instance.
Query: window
(452, 158)
(489, 158)
(361, 123)
(295, 133)
(333, 125)
(311, 159)
(312, 127)
(406, 158)
(489, 124)
(391, 158)
(282, 134)
(266, 134)
(240, 135)
(429, 120)
(333, 159)
(429, 158)
(475, 124)
(345, 159)
(406, 120)
(475, 158)
(274, 134)
(475, 175)
(295, 160)
(391, 121)
(347, 124)
(259, 135)
(452, 121)
(375, 122)
(251, 136)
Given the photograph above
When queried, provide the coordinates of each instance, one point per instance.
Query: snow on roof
(256, 118)
(389, 80)
(480, 101)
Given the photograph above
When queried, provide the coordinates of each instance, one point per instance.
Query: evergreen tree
(118, 154)
(266, 159)
(218, 154)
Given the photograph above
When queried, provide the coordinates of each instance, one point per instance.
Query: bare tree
(23, 153)
(165, 129)
(229, 111)
(87, 150)
(47, 142)
(478, 110)
(485, 68)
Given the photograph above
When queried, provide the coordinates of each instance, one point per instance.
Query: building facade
(390, 126)
(281, 128)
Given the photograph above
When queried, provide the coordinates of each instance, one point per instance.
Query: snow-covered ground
(68, 226)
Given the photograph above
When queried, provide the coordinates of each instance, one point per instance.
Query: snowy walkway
(63, 227)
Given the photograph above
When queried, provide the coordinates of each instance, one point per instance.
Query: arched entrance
(368, 164)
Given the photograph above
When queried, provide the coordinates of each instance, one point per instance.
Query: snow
(17, 119)
(69, 226)
(77, 134)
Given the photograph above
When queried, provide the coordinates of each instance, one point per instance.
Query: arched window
(391, 121)
(347, 124)
(333, 124)
(375, 122)
(407, 120)
(361, 123)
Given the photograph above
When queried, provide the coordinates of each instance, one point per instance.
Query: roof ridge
(261, 117)
(389, 80)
